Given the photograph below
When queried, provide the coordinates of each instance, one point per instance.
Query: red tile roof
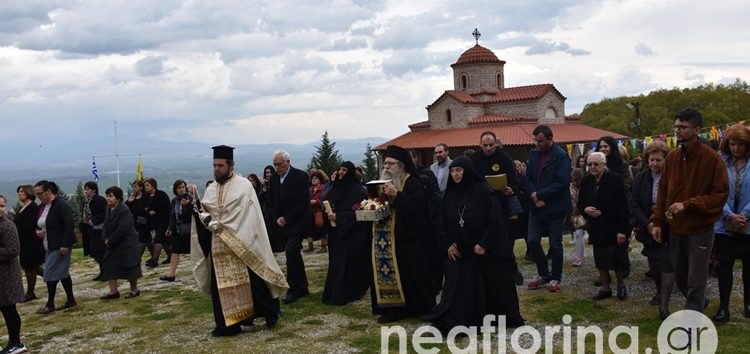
(516, 134)
(510, 94)
(420, 125)
(477, 54)
(494, 118)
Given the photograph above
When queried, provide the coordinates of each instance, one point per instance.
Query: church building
(480, 101)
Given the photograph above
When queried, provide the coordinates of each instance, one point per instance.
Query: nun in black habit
(348, 247)
(479, 264)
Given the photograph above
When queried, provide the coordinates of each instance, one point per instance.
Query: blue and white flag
(94, 171)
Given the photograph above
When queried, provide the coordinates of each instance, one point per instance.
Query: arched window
(448, 115)
(499, 80)
(464, 82)
(550, 113)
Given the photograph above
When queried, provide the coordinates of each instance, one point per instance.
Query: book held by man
(497, 182)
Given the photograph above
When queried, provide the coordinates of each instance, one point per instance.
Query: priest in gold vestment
(233, 261)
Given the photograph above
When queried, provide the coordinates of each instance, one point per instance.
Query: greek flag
(94, 171)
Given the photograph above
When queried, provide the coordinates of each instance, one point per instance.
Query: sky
(246, 72)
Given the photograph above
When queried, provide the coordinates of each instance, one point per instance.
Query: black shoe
(227, 332)
(655, 300)
(518, 277)
(133, 294)
(271, 321)
(165, 278)
(115, 295)
(663, 313)
(17, 348)
(722, 315)
(151, 263)
(29, 297)
(601, 295)
(292, 297)
(622, 292)
(747, 311)
(386, 319)
(68, 304)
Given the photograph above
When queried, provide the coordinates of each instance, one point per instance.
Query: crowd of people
(449, 232)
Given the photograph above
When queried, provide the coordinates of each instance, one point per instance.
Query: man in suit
(292, 217)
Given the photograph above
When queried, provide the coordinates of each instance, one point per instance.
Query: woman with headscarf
(479, 266)
(348, 271)
(602, 202)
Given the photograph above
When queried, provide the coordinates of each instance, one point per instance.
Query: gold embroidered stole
(232, 279)
(388, 289)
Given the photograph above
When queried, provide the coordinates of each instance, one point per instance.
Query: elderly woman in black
(602, 201)
(55, 226)
(138, 205)
(32, 250)
(92, 219)
(11, 291)
(645, 191)
(121, 258)
(479, 263)
(158, 207)
(180, 222)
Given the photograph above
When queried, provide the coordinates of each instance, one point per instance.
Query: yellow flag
(570, 149)
(139, 171)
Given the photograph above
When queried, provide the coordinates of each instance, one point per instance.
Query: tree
(326, 157)
(370, 168)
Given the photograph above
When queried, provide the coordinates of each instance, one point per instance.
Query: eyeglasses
(593, 164)
(389, 163)
(682, 127)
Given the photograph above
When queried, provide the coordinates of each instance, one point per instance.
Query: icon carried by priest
(401, 283)
(234, 264)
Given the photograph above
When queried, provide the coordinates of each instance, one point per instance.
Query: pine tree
(326, 157)
(370, 168)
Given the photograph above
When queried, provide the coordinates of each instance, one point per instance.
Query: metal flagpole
(117, 157)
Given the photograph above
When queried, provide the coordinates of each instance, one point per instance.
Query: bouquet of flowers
(372, 209)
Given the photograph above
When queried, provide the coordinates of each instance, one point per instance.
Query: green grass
(175, 317)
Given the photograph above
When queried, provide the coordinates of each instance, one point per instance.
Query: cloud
(343, 44)
(150, 66)
(644, 50)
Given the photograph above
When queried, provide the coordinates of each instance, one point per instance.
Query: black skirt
(181, 243)
(611, 257)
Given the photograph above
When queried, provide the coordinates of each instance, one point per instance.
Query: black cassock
(412, 248)
(475, 286)
(264, 304)
(348, 248)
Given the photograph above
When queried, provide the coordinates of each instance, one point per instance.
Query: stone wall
(480, 75)
(461, 113)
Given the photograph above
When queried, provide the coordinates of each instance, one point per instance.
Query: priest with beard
(235, 267)
(348, 247)
(401, 276)
(479, 262)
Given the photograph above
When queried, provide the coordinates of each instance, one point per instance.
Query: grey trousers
(691, 254)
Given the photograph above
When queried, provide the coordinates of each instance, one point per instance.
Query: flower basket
(373, 215)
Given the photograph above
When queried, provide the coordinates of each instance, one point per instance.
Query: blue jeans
(554, 229)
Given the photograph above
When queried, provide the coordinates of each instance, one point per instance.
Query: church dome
(477, 54)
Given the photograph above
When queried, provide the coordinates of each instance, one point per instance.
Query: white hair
(597, 155)
(281, 153)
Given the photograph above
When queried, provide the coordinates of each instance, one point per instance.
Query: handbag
(514, 205)
(318, 216)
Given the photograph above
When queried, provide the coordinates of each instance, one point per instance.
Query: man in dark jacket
(548, 182)
(492, 160)
(292, 217)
